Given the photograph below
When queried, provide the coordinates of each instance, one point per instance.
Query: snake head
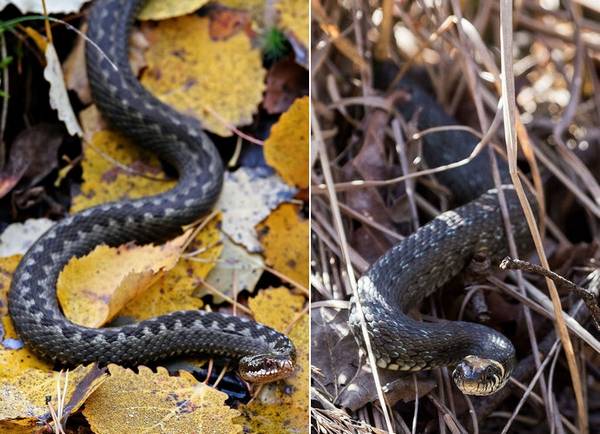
(480, 376)
(264, 368)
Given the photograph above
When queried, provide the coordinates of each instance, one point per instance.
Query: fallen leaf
(334, 352)
(75, 70)
(235, 267)
(14, 357)
(255, 7)
(286, 81)
(226, 22)
(156, 402)
(59, 99)
(18, 237)
(186, 70)
(114, 168)
(33, 155)
(284, 237)
(248, 196)
(397, 386)
(177, 289)
(92, 122)
(286, 149)
(163, 9)
(25, 398)
(293, 16)
(281, 407)
(92, 289)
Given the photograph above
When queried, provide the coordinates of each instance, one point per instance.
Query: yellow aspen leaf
(15, 428)
(286, 149)
(112, 170)
(150, 402)
(92, 289)
(14, 358)
(162, 9)
(177, 289)
(293, 16)
(8, 265)
(281, 408)
(284, 237)
(219, 82)
(25, 397)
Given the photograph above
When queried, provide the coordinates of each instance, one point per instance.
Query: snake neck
(427, 345)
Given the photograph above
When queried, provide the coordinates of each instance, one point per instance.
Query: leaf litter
(111, 168)
(369, 144)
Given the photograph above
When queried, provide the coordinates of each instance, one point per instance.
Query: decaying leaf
(75, 70)
(255, 7)
(150, 402)
(219, 82)
(59, 99)
(286, 149)
(235, 267)
(333, 349)
(25, 398)
(14, 357)
(92, 289)
(284, 237)
(33, 156)
(18, 237)
(286, 81)
(281, 407)
(226, 22)
(114, 169)
(248, 196)
(398, 387)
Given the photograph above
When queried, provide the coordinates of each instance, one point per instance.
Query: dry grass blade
(508, 96)
(325, 165)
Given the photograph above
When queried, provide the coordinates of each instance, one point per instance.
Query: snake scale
(424, 261)
(262, 353)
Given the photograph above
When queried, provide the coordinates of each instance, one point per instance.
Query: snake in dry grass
(263, 354)
(416, 267)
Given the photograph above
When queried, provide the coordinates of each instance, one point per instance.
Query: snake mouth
(265, 368)
(479, 376)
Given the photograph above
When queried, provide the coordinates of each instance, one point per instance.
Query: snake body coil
(430, 257)
(263, 353)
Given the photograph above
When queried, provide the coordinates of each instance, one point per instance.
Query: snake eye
(264, 368)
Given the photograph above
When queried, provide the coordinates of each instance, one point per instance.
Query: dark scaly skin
(438, 251)
(178, 140)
